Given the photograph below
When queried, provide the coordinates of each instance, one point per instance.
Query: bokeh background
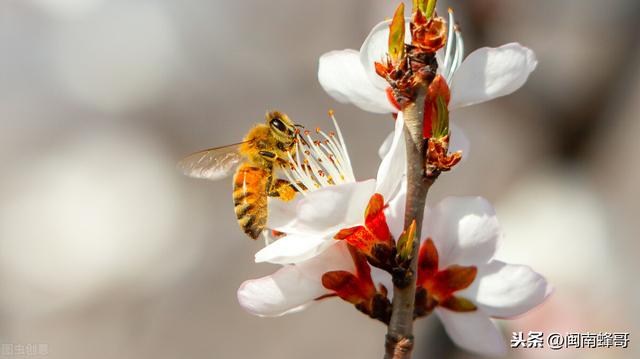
(106, 251)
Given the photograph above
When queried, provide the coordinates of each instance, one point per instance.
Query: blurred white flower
(88, 216)
(117, 59)
(312, 219)
(552, 198)
(69, 9)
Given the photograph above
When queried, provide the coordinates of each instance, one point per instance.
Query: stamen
(344, 148)
(319, 153)
(447, 57)
(319, 163)
(457, 59)
(460, 47)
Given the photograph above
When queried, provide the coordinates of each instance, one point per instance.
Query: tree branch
(399, 339)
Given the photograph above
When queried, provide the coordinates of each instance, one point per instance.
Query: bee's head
(282, 129)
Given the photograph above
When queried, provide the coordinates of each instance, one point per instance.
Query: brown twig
(399, 339)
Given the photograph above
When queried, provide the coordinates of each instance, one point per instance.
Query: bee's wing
(213, 163)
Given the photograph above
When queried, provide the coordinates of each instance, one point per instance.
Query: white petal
(473, 331)
(386, 145)
(375, 49)
(488, 73)
(395, 211)
(293, 287)
(293, 248)
(465, 230)
(506, 290)
(323, 212)
(341, 74)
(459, 141)
(393, 165)
(381, 277)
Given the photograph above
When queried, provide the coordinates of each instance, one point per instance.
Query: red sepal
(355, 288)
(374, 238)
(438, 87)
(440, 285)
(427, 261)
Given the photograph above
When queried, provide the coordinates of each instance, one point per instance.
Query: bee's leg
(282, 189)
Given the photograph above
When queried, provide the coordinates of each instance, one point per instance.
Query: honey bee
(254, 159)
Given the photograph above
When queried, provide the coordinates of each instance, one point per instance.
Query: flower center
(319, 163)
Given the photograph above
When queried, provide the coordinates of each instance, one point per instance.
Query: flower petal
(382, 277)
(506, 290)
(323, 212)
(341, 74)
(375, 48)
(293, 248)
(386, 145)
(293, 287)
(465, 230)
(473, 331)
(395, 211)
(488, 73)
(459, 141)
(393, 165)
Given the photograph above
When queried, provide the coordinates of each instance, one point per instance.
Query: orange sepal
(429, 37)
(427, 261)
(358, 237)
(437, 88)
(355, 288)
(458, 304)
(381, 69)
(445, 282)
(375, 220)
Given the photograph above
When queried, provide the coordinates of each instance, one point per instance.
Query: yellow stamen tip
(331, 113)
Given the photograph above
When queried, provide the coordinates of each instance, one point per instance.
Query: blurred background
(107, 251)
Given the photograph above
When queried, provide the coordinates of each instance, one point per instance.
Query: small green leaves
(405, 243)
(431, 8)
(396, 35)
(440, 127)
(426, 7)
(420, 5)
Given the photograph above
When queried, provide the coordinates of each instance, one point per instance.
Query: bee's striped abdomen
(250, 198)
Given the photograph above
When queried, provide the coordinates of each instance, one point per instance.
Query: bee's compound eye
(278, 124)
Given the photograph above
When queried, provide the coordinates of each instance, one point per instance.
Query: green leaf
(396, 35)
(405, 243)
(441, 125)
(426, 7)
(430, 8)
